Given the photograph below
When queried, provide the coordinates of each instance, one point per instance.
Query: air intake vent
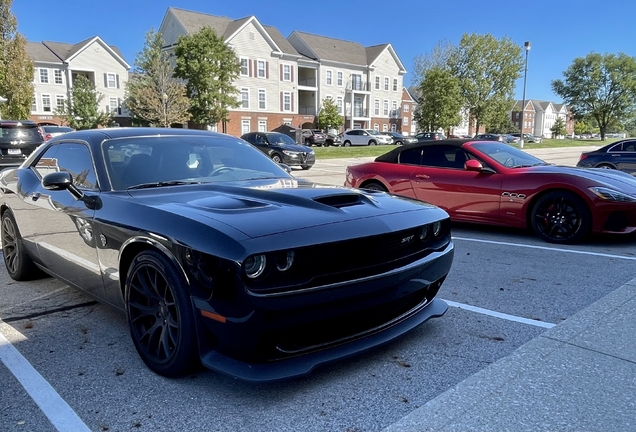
(338, 201)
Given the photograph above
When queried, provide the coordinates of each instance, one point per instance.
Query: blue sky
(559, 30)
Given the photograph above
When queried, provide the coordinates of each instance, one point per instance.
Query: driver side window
(73, 158)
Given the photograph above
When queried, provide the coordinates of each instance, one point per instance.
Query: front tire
(160, 315)
(561, 217)
(372, 143)
(19, 264)
(305, 167)
(277, 158)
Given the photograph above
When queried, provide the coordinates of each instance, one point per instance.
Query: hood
(614, 179)
(265, 207)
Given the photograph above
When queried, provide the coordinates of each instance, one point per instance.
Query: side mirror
(61, 180)
(475, 165)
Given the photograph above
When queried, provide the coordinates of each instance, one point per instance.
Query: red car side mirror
(473, 165)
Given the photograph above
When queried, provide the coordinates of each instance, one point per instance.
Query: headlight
(284, 260)
(425, 232)
(254, 266)
(611, 194)
(290, 153)
(437, 228)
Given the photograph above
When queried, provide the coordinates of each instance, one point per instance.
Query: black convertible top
(393, 155)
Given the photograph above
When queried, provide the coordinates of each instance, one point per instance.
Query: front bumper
(300, 159)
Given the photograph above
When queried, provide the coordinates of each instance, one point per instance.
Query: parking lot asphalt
(579, 375)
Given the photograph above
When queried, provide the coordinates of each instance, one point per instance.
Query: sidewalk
(577, 376)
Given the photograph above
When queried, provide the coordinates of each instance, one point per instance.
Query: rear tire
(347, 143)
(605, 166)
(375, 186)
(19, 264)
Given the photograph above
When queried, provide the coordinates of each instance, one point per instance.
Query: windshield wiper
(162, 183)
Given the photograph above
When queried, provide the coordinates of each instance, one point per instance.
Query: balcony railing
(358, 86)
(359, 112)
(307, 110)
(307, 82)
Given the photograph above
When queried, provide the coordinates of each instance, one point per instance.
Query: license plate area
(14, 151)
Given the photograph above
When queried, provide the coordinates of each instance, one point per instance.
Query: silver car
(365, 137)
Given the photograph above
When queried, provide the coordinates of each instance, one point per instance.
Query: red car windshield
(507, 155)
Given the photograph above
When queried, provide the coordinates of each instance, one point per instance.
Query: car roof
(14, 123)
(392, 156)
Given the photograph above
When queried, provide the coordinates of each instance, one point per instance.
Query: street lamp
(165, 110)
(523, 102)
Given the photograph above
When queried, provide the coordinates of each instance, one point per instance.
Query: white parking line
(547, 248)
(499, 314)
(60, 414)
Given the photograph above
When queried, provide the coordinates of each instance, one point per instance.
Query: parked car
(495, 183)
(527, 137)
(429, 136)
(18, 139)
(510, 139)
(216, 255)
(489, 137)
(619, 155)
(313, 137)
(49, 132)
(282, 148)
(364, 137)
(333, 139)
(399, 139)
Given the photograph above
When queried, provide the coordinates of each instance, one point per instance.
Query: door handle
(35, 196)
(422, 176)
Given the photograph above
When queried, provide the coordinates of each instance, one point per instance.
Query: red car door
(441, 179)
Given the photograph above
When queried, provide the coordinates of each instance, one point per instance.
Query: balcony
(359, 113)
(362, 86)
(307, 110)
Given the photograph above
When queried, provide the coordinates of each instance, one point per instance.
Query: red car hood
(613, 179)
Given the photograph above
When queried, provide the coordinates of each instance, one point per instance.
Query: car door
(625, 159)
(64, 234)
(441, 179)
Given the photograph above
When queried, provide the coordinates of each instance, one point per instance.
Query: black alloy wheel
(277, 158)
(19, 264)
(561, 217)
(160, 315)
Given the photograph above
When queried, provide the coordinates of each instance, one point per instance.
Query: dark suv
(282, 149)
(314, 137)
(18, 139)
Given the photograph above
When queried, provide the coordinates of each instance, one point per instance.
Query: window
(376, 107)
(377, 83)
(44, 76)
(245, 70)
(393, 127)
(286, 72)
(262, 99)
(405, 107)
(58, 77)
(340, 104)
(113, 104)
(260, 68)
(395, 84)
(34, 103)
(262, 125)
(287, 104)
(405, 121)
(46, 103)
(339, 79)
(73, 158)
(59, 102)
(245, 127)
(385, 107)
(394, 105)
(376, 126)
(329, 79)
(385, 127)
(386, 84)
(111, 80)
(245, 97)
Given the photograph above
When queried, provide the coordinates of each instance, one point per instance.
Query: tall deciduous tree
(209, 67)
(16, 68)
(601, 86)
(153, 95)
(438, 58)
(440, 100)
(487, 69)
(329, 117)
(81, 111)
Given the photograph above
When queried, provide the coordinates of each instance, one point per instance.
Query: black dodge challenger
(217, 255)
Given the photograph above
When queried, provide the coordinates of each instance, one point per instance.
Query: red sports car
(495, 183)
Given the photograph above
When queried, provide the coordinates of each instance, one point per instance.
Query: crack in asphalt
(50, 311)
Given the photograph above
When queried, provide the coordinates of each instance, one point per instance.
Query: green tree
(81, 110)
(487, 69)
(438, 58)
(329, 116)
(499, 121)
(558, 128)
(209, 67)
(440, 100)
(601, 86)
(16, 68)
(153, 95)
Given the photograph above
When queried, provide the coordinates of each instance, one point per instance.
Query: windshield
(508, 155)
(135, 162)
(280, 139)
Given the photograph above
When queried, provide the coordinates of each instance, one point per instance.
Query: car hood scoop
(339, 201)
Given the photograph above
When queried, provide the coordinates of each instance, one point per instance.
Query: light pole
(165, 110)
(523, 102)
